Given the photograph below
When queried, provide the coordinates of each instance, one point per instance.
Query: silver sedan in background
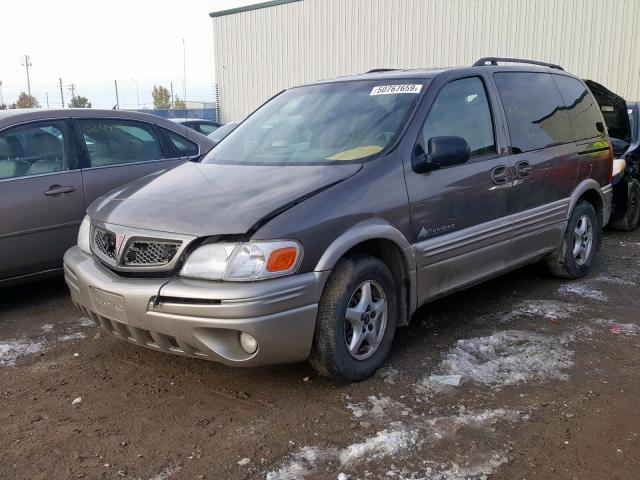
(54, 163)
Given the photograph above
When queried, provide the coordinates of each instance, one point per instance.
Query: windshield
(322, 124)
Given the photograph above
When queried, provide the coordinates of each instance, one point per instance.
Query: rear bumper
(197, 318)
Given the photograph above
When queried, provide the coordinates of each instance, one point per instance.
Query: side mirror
(442, 152)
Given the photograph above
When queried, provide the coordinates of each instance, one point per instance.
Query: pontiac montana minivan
(320, 224)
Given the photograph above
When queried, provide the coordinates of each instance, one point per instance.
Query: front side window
(582, 108)
(536, 114)
(461, 109)
(114, 142)
(323, 124)
(33, 149)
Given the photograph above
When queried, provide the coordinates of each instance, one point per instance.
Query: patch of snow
(12, 350)
(73, 336)
(358, 410)
(380, 406)
(244, 461)
(386, 442)
(76, 401)
(86, 322)
(301, 465)
(444, 427)
(505, 358)
(613, 280)
(548, 309)
(625, 328)
(343, 476)
(388, 374)
(583, 291)
(473, 470)
(47, 327)
(452, 380)
(165, 473)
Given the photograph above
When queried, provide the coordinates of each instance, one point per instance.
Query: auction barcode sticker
(393, 89)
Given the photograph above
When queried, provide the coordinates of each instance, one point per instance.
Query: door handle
(58, 189)
(499, 175)
(523, 168)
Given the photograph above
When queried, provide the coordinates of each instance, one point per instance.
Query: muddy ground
(549, 388)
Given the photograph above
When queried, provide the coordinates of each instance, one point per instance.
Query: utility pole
(47, 94)
(1, 96)
(27, 64)
(117, 107)
(61, 93)
(184, 71)
(173, 103)
(72, 87)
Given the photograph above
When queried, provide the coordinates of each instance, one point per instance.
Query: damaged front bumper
(199, 318)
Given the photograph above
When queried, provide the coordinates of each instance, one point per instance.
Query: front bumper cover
(199, 318)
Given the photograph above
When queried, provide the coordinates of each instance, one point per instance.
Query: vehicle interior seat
(50, 153)
(10, 163)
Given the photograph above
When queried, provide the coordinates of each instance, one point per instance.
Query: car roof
(22, 115)
(429, 73)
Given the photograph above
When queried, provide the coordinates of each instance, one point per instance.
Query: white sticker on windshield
(393, 89)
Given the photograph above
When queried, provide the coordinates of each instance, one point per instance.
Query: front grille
(104, 242)
(150, 253)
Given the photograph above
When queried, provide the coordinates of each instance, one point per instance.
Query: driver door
(458, 223)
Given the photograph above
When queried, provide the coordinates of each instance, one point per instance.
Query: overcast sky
(92, 43)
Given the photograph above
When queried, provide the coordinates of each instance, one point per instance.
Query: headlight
(243, 262)
(83, 235)
(619, 165)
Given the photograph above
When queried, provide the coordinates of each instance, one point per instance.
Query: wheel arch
(387, 243)
(590, 191)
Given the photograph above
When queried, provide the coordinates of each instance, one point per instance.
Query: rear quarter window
(582, 108)
(535, 111)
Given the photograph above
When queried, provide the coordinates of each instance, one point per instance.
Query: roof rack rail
(494, 61)
(376, 70)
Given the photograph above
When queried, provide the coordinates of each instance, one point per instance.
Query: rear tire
(631, 219)
(581, 239)
(355, 329)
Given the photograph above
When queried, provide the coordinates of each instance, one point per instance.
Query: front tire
(574, 257)
(631, 219)
(357, 318)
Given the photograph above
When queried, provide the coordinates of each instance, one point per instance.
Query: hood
(210, 199)
(614, 111)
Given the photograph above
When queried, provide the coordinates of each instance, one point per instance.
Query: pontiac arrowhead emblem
(119, 241)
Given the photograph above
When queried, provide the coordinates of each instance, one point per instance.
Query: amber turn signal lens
(282, 259)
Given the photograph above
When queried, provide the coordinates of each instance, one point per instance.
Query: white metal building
(264, 48)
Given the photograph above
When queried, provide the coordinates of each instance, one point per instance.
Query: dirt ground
(549, 389)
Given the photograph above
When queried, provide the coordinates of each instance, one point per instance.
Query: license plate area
(110, 305)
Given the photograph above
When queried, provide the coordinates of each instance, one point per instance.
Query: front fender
(362, 232)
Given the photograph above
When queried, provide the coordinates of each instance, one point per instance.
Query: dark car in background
(621, 119)
(205, 127)
(54, 163)
(626, 182)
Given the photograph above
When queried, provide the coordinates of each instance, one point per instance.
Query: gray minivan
(54, 163)
(320, 224)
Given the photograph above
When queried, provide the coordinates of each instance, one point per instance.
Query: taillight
(610, 162)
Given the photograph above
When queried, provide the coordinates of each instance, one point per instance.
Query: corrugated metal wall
(260, 52)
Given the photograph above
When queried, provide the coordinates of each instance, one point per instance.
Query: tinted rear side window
(535, 111)
(581, 107)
